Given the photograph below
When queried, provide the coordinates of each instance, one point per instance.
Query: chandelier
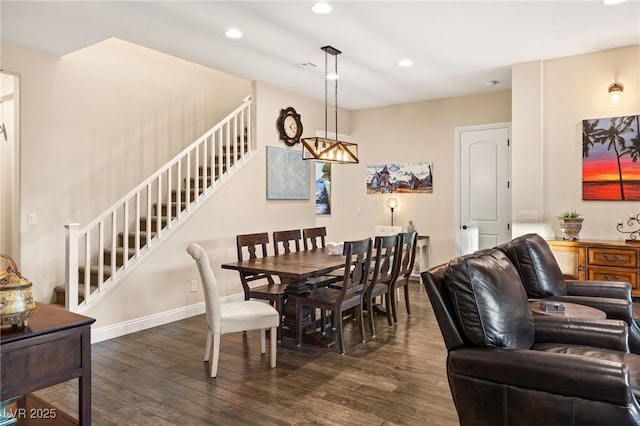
(325, 149)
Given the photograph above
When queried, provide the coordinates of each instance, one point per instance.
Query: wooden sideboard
(53, 348)
(599, 260)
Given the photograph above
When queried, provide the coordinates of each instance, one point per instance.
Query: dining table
(294, 269)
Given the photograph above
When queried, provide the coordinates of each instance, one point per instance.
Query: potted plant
(570, 224)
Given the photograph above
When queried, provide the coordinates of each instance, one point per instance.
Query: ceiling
(456, 46)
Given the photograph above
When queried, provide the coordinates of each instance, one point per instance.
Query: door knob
(464, 226)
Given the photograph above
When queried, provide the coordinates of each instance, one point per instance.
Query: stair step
(183, 192)
(93, 273)
(119, 255)
(163, 208)
(60, 291)
(132, 238)
(154, 223)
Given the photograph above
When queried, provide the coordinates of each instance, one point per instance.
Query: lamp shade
(392, 203)
(615, 90)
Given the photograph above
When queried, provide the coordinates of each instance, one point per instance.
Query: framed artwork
(323, 187)
(610, 153)
(401, 178)
(288, 175)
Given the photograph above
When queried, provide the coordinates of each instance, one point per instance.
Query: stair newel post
(71, 269)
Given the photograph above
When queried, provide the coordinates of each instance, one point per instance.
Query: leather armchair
(506, 367)
(542, 279)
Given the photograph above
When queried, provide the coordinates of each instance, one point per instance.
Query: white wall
(57, 129)
(94, 124)
(551, 98)
(415, 132)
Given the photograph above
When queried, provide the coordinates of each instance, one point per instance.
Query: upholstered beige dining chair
(233, 317)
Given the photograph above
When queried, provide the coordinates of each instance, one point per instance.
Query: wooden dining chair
(314, 238)
(231, 317)
(289, 241)
(286, 239)
(407, 244)
(252, 246)
(357, 261)
(384, 271)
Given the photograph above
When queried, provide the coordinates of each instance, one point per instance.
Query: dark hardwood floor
(157, 377)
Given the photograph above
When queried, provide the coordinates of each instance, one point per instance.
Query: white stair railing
(103, 252)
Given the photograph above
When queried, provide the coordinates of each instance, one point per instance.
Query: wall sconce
(392, 203)
(615, 90)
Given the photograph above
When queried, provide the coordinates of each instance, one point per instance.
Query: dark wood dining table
(294, 269)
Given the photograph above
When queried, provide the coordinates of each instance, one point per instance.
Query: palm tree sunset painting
(610, 158)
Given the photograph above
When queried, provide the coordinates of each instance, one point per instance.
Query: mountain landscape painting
(403, 177)
(610, 158)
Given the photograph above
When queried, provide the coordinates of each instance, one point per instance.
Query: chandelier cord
(336, 86)
(325, 92)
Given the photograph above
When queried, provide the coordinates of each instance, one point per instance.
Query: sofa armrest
(555, 373)
(595, 288)
(609, 334)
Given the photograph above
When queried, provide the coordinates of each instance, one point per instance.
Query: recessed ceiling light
(233, 33)
(608, 2)
(405, 63)
(332, 76)
(321, 8)
(491, 83)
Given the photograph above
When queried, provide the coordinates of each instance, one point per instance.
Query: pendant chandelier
(325, 149)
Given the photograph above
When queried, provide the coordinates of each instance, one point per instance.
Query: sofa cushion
(536, 265)
(489, 300)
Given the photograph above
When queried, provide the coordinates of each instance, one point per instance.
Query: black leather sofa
(506, 367)
(543, 279)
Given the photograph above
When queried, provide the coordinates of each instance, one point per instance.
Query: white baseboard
(116, 330)
(127, 327)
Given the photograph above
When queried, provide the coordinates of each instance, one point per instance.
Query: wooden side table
(421, 263)
(54, 348)
(572, 310)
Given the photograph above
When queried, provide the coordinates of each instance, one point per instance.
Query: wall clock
(289, 126)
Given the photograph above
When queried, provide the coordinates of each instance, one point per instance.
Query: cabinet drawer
(617, 257)
(610, 274)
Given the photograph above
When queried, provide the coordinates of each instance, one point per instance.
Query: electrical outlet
(194, 286)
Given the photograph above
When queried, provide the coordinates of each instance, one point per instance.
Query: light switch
(32, 218)
(528, 216)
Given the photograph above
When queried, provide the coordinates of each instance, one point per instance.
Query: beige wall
(415, 132)
(150, 114)
(94, 124)
(551, 98)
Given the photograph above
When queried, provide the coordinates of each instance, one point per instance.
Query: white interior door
(484, 186)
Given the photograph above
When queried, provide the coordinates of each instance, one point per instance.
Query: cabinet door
(571, 259)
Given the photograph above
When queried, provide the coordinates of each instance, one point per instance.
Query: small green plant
(570, 215)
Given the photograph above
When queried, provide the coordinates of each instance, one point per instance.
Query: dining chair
(407, 256)
(314, 238)
(232, 317)
(289, 241)
(253, 246)
(357, 262)
(286, 239)
(382, 276)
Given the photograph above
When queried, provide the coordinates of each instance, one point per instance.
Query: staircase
(101, 254)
